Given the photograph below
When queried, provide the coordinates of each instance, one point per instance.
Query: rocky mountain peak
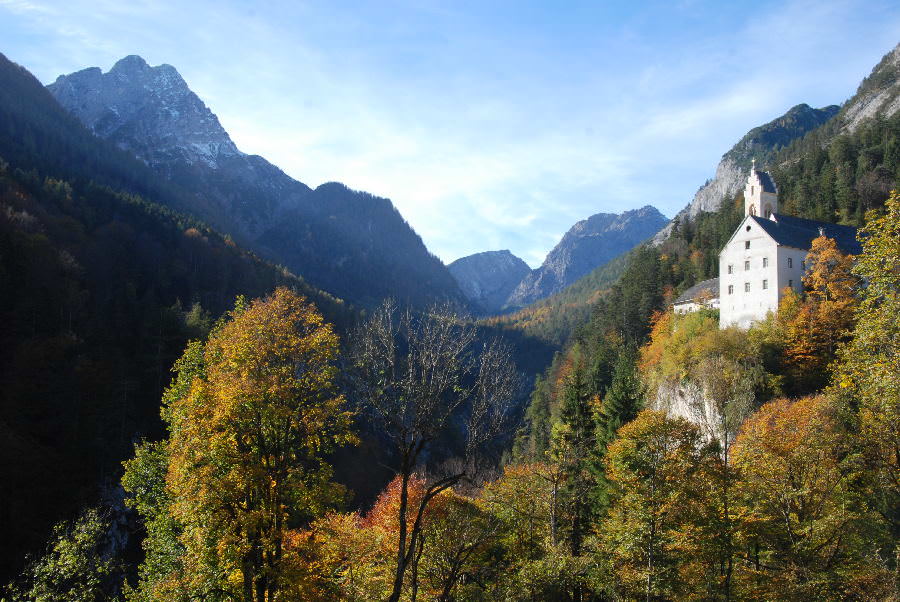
(150, 111)
(588, 244)
(761, 143)
(487, 278)
(130, 63)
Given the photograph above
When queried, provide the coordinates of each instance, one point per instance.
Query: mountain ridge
(588, 244)
(352, 244)
(760, 143)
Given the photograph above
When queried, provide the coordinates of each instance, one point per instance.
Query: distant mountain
(488, 278)
(588, 244)
(761, 143)
(352, 244)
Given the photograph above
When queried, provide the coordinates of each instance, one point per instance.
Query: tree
(869, 367)
(807, 532)
(250, 421)
(572, 449)
(822, 321)
(728, 386)
(417, 378)
(622, 401)
(656, 467)
(75, 566)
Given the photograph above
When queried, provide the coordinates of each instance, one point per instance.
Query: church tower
(760, 194)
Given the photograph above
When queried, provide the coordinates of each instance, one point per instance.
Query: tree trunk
(401, 543)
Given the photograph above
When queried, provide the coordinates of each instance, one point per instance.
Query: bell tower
(760, 194)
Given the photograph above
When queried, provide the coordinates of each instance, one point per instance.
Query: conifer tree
(573, 449)
(622, 401)
(620, 405)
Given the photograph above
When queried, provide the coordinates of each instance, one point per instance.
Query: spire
(753, 165)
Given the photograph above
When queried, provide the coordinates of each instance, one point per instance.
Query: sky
(490, 125)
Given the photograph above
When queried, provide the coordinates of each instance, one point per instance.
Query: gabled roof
(707, 289)
(765, 180)
(799, 233)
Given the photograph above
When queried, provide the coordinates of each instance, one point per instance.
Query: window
(746, 265)
(730, 269)
(730, 289)
(765, 262)
(765, 284)
(790, 262)
(746, 244)
(802, 265)
(746, 287)
(791, 283)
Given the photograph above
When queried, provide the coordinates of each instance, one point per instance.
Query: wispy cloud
(489, 126)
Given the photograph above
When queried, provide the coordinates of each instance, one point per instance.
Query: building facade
(767, 254)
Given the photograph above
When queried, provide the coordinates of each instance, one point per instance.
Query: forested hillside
(100, 290)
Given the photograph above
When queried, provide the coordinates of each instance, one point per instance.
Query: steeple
(760, 193)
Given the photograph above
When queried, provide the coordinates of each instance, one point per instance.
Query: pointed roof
(798, 232)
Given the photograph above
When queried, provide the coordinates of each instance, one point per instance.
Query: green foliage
(868, 370)
(623, 400)
(837, 177)
(656, 467)
(73, 567)
(251, 414)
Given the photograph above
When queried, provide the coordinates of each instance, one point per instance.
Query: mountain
(877, 95)
(588, 244)
(352, 244)
(488, 278)
(101, 287)
(761, 143)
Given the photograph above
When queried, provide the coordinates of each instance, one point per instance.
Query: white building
(702, 295)
(767, 253)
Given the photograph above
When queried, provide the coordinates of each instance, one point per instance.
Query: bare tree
(421, 376)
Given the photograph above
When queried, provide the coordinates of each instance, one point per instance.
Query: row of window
(765, 285)
(790, 264)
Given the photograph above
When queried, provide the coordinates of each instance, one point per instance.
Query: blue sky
(490, 125)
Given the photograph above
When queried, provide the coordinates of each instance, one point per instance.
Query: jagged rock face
(151, 112)
(351, 244)
(588, 244)
(878, 94)
(760, 144)
(488, 278)
(147, 110)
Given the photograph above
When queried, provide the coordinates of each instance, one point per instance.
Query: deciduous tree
(418, 378)
(250, 421)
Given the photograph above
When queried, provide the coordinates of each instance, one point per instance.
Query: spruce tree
(573, 449)
(621, 404)
(623, 399)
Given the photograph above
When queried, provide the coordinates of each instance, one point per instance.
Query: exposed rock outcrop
(588, 244)
(760, 144)
(488, 278)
